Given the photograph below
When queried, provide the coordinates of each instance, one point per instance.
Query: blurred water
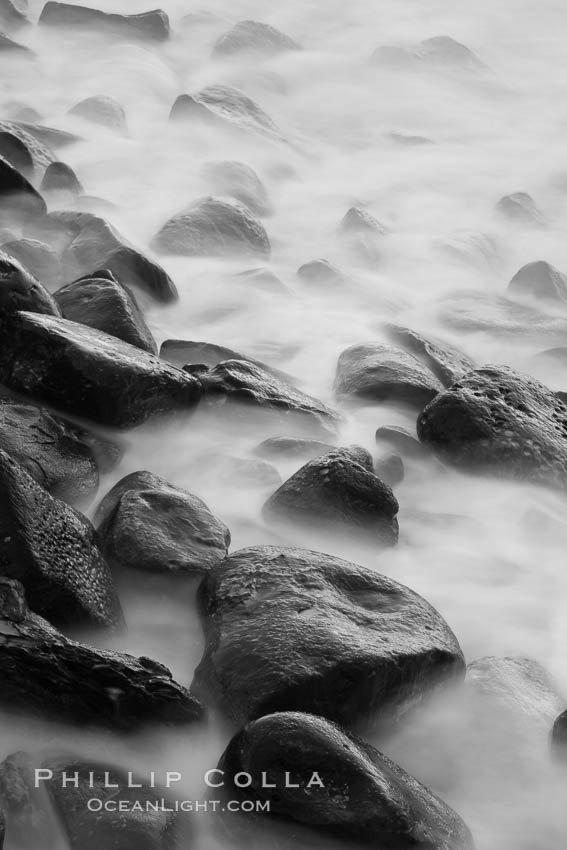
(466, 544)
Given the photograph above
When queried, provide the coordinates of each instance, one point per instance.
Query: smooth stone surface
(239, 181)
(253, 37)
(101, 109)
(153, 25)
(447, 363)
(401, 440)
(19, 290)
(320, 273)
(521, 209)
(539, 280)
(39, 259)
(17, 192)
(224, 107)
(290, 629)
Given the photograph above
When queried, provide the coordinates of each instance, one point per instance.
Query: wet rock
(106, 306)
(87, 373)
(437, 52)
(520, 208)
(243, 383)
(362, 232)
(293, 448)
(17, 194)
(12, 14)
(401, 440)
(52, 550)
(46, 674)
(152, 26)
(253, 37)
(500, 423)
(23, 149)
(321, 273)
(103, 110)
(447, 363)
(60, 177)
(239, 181)
(478, 311)
(374, 372)
(343, 789)
(290, 629)
(39, 259)
(213, 227)
(539, 280)
(559, 738)
(390, 469)
(181, 352)
(224, 107)
(16, 153)
(19, 290)
(52, 450)
(148, 524)
(338, 493)
(89, 242)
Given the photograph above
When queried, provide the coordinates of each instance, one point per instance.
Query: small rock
(321, 273)
(293, 448)
(390, 469)
(253, 37)
(148, 524)
(103, 110)
(293, 630)
(338, 493)
(401, 440)
(224, 107)
(362, 232)
(239, 181)
(213, 227)
(153, 26)
(59, 177)
(539, 280)
(521, 208)
(19, 290)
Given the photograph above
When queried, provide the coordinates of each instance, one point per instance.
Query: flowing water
(489, 555)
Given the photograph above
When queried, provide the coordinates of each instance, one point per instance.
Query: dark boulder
(53, 551)
(87, 373)
(255, 390)
(338, 493)
(375, 372)
(520, 208)
(539, 280)
(45, 673)
(253, 37)
(14, 151)
(338, 787)
(148, 524)
(19, 290)
(39, 259)
(17, 194)
(107, 306)
(447, 363)
(53, 451)
(60, 177)
(213, 227)
(320, 273)
(151, 26)
(224, 108)
(290, 629)
(293, 448)
(103, 110)
(500, 423)
(239, 181)
(264, 279)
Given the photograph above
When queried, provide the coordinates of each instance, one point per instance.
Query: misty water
(488, 554)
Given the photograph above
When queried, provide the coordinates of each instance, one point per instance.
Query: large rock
(321, 273)
(87, 373)
(53, 551)
(239, 181)
(148, 524)
(447, 363)
(338, 787)
(539, 280)
(54, 452)
(213, 227)
(153, 26)
(224, 107)
(363, 232)
(289, 629)
(19, 290)
(253, 37)
(35, 807)
(338, 493)
(46, 674)
(107, 306)
(31, 150)
(500, 423)
(375, 372)
(252, 389)
(17, 193)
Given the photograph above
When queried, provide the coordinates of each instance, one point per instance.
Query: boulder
(46, 674)
(19, 290)
(224, 107)
(290, 629)
(53, 551)
(447, 363)
(103, 110)
(107, 306)
(17, 193)
(54, 452)
(339, 788)
(87, 373)
(539, 280)
(33, 153)
(151, 26)
(38, 258)
(498, 422)
(60, 177)
(252, 389)
(320, 273)
(213, 227)
(292, 448)
(253, 37)
(375, 372)
(148, 524)
(338, 493)
(16, 153)
(239, 181)
(521, 209)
